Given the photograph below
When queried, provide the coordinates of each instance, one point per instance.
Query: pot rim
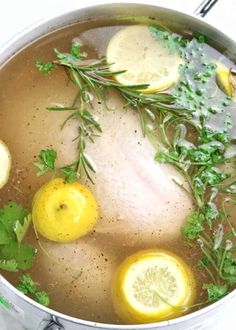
(12, 42)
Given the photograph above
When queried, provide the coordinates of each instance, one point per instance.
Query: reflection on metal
(205, 7)
(52, 324)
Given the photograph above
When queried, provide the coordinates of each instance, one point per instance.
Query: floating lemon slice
(5, 163)
(145, 59)
(223, 79)
(63, 212)
(151, 286)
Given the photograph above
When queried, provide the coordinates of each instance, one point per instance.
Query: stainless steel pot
(36, 317)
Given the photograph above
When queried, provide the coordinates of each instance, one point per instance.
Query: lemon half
(151, 286)
(145, 59)
(5, 163)
(63, 212)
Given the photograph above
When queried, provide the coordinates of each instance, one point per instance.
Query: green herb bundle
(198, 149)
(185, 122)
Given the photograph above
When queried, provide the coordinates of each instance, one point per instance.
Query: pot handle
(204, 7)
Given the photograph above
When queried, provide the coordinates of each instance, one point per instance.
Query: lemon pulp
(5, 163)
(152, 285)
(145, 59)
(63, 211)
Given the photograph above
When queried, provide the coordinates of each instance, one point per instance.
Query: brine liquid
(140, 205)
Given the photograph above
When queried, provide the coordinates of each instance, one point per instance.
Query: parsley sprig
(47, 159)
(197, 149)
(29, 287)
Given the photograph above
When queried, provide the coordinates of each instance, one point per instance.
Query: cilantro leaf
(4, 236)
(47, 161)
(23, 254)
(215, 292)
(45, 67)
(21, 229)
(10, 214)
(14, 223)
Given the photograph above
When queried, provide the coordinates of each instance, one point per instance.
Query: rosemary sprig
(93, 79)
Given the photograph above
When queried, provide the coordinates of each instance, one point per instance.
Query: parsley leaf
(229, 269)
(210, 212)
(212, 176)
(28, 286)
(70, 174)
(200, 38)
(42, 298)
(193, 225)
(45, 67)
(172, 41)
(215, 292)
(76, 51)
(9, 265)
(47, 161)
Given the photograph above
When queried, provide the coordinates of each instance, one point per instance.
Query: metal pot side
(29, 313)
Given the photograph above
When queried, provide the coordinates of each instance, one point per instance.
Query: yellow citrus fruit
(63, 212)
(5, 163)
(144, 57)
(223, 79)
(152, 285)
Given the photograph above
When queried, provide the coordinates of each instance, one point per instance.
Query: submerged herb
(14, 223)
(28, 286)
(47, 161)
(215, 292)
(207, 227)
(46, 164)
(45, 67)
(174, 42)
